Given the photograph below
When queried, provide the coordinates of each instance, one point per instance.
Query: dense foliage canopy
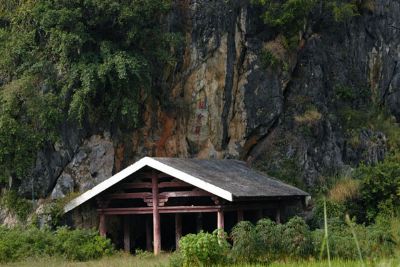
(88, 61)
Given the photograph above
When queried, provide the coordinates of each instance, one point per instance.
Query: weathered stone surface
(50, 163)
(65, 185)
(224, 103)
(92, 164)
(8, 219)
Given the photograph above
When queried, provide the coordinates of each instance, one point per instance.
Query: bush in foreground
(18, 244)
(268, 242)
(202, 249)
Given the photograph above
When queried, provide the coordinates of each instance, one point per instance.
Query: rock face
(92, 164)
(223, 103)
(50, 163)
(226, 104)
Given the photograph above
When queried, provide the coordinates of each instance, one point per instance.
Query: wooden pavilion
(177, 187)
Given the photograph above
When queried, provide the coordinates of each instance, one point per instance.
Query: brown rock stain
(119, 157)
(167, 133)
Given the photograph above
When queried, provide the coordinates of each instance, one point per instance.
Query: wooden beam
(197, 193)
(174, 185)
(139, 185)
(148, 195)
(102, 224)
(128, 195)
(220, 219)
(156, 217)
(178, 229)
(149, 210)
(127, 234)
(134, 185)
(148, 233)
(185, 209)
(150, 175)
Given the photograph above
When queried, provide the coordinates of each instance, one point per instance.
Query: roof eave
(153, 163)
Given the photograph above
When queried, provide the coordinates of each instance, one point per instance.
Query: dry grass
(368, 5)
(344, 190)
(124, 260)
(309, 117)
(339, 263)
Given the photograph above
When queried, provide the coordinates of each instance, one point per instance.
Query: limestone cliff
(224, 103)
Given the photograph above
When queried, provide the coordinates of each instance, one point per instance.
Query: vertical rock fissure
(230, 69)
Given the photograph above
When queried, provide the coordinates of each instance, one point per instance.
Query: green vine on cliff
(290, 17)
(93, 60)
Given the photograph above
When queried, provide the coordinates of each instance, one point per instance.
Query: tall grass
(345, 189)
(325, 241)
(353, 232)
(118, 260)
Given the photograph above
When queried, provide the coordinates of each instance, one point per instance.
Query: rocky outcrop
(223, 102)
(8, 219)
(51, 162)
(92, 164)
(227, 104)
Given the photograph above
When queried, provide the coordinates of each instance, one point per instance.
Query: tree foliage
(380, 188)
(291, 17)
(93, 60)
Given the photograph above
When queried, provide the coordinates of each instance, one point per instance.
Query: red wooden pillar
(178, 229)
(102, 224)
(220, 220)
(127, 234)
(156, 217)
(240, 216)
(148, 233)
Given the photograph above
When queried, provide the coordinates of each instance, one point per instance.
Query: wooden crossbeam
(128, 195)
(144, 185)
(185, 194)
(150, 175)
(163, 195)
(149, 210)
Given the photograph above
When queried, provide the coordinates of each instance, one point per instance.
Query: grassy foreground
(125, 260)
(119, 260)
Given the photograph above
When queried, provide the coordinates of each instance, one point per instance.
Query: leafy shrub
(269, 234)
(176, 259)
(56, 58)
(374, 240)
(246, 243)
(17, 205)
(344, 11)
(296, 238)
(54, 210)
(204, 249)
(81, 244)
(379, 188)
(335, 212)
(269, 60)
(288, 16)
(18, 244)
(268, 241)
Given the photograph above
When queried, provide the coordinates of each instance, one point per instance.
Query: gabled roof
(228, 179)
